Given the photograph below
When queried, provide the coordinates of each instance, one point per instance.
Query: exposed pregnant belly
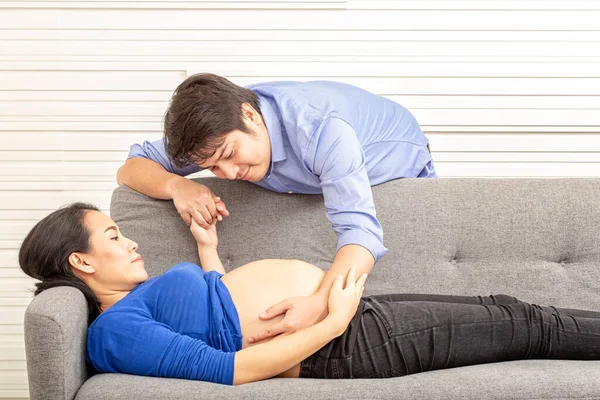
(257, 286)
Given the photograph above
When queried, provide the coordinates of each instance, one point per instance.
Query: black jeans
(401, 334)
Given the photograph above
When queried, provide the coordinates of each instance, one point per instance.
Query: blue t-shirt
(182, 324)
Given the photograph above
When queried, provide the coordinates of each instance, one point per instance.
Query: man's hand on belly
(300, 313)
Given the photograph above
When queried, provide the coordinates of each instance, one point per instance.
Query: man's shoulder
(299, 88)
(274, 86)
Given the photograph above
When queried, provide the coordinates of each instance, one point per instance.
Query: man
(295, 137)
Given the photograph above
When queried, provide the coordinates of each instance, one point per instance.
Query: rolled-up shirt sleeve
(335, 155)
(156, 152)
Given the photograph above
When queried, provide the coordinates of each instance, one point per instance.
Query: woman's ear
(78, 263)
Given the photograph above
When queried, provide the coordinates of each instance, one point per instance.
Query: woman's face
(113, 262)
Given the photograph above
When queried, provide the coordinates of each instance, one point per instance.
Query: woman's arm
(207, 242)
(282, 353)
(209, 259)
(269, 359)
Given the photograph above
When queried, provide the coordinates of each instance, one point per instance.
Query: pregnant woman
(192, 322)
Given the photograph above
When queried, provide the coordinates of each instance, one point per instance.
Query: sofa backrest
(536, 239)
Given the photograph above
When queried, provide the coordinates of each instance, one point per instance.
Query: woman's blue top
(182, 324)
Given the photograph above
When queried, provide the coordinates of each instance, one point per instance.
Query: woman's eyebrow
(110, 227)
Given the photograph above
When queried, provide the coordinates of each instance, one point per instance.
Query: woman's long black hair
(44, 254)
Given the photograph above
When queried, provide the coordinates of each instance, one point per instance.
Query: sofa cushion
(539, 379)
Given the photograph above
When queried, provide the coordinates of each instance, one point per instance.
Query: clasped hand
(196, 202)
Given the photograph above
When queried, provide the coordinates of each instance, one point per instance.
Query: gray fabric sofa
(537, 240)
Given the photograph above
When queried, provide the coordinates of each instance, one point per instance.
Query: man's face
(242, 155)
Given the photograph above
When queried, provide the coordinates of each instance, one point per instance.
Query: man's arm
(149, 170)
(339, 162)
(345, 258)
(336, 156)
(148, 177)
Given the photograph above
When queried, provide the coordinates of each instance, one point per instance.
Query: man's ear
(77, 262)
(250, 113)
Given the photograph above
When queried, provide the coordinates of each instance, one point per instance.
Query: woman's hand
(205, 237)
(343, 303)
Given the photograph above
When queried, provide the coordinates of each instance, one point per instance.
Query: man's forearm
(209, 259)
(345, 258)
(282, 353)
(147, 177)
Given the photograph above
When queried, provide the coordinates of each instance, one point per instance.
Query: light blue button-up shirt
(335, 139)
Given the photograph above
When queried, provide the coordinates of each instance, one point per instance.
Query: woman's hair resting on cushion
(44, 254)
(79, 246)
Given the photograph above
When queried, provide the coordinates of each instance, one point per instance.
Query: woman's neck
(110, 298)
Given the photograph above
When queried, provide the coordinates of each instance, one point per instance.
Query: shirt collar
(274, 127)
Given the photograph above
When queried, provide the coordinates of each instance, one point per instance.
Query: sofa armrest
(56, 324)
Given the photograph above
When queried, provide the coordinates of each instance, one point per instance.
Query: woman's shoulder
(135, 304)
(180, 280)
(182, 271)
(119, 320)
(141, 302)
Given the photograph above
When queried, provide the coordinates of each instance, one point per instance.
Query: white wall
(501, 88)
